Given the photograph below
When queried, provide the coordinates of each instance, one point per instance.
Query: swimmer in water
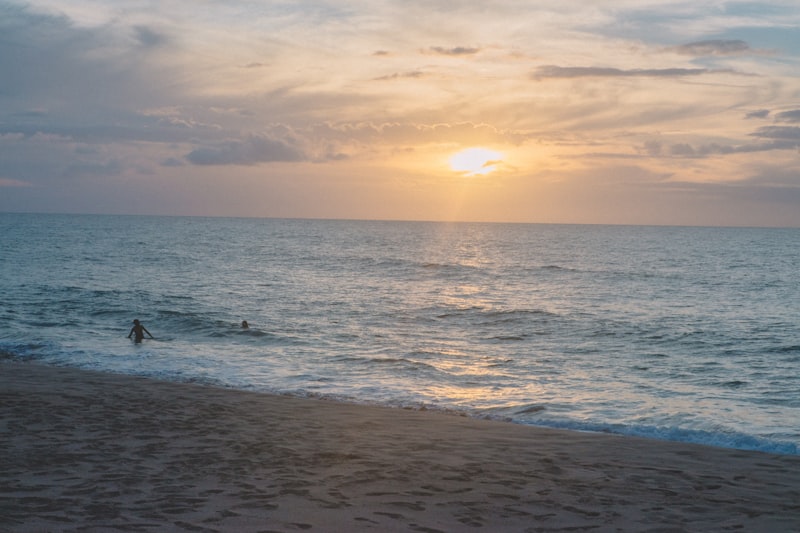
(138, 331)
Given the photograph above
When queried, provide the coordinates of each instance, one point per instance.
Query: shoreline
(84, 450)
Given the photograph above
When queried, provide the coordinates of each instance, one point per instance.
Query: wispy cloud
(249, 151)
(759, 113)
(705, 150)
(400, 75)
(778, 132)
(454, 51)
(5, 182)
(788, 116)
(714, 47)
(149, 37)
(555, 72)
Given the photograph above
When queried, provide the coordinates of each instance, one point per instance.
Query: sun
(476, 161)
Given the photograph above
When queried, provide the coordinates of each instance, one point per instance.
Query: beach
(89, 451)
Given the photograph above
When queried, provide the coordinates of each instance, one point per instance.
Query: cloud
(761, 113)
(410, 133)
(556, 72)
(172, 162)
(652, 147)
(774, 184)
(248, 151)
(148, 37)
(771, 185)
(716, 47)
(11, 137)
(455, 51)
(788, 116)
(113, 167)
(682, 149)
(6, 182)
(778, 132)
(404, 75)
(656, 148)
(704, 150)
(79, 80)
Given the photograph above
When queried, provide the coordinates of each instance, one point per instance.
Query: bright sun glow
(476, 161)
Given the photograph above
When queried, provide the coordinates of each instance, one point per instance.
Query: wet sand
(85, 451)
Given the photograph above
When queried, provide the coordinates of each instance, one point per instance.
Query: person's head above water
(135, 320)
(245, 325)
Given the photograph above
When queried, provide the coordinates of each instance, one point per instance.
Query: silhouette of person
(245, 325)
(138, 331)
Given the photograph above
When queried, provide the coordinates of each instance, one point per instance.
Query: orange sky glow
(655, 112)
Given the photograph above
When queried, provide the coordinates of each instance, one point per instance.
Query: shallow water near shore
(686, 334)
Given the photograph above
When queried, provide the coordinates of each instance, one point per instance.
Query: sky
(600, 112)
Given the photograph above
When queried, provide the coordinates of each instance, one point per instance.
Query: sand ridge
(87, 451)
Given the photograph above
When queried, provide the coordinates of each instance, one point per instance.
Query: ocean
(676, 333)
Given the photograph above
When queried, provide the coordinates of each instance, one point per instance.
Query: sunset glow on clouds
(650, 112)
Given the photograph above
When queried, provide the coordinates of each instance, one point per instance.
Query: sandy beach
(85, 451)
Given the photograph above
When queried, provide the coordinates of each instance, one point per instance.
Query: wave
(721, 439)
(727, 439)
(788, 349)
(538, 415)
(409, 364)
(507, 338)
(17, 351)
(409, 266)
(558, 268)
(497, 316)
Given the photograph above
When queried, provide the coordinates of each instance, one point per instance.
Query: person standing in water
(138, 331)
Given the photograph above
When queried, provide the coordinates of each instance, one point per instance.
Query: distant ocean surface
(676, 333)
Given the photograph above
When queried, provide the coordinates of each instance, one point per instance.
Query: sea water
(678, 333)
